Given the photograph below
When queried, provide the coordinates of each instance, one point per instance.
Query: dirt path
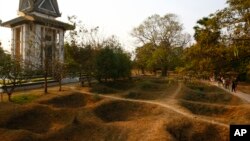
(241, 95)
(177, 91)
(169, 107)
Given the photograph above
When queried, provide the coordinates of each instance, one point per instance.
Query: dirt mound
(17, 135)
(73, 100)
(204, 109)
(123, 111)
(219, 97)
(102, 89)
(186, 130)
(37, 119)
(144, 95)
(148, 95)
(239, 114)
(75, 132)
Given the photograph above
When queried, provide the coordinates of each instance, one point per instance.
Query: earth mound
(112, 111)
(74, 100)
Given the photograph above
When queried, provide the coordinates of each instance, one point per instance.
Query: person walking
(234, 85)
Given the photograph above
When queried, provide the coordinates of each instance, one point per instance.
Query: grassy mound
(238, 115)
(76, 132)
(18, 135)
(202, 87)
(23, 99)
(37, 119)
(144, 95)
(102, 89)
(204, 109)
(120, 85)
(209, 95)
(123, 111)
(148, 86)
(182, 129)
(73, 100)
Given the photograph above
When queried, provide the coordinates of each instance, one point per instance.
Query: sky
(119, 17)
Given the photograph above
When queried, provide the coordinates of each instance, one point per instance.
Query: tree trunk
(1, 97)
(46, 82)
(81, 80)
(164, 71)
(89, 80)
(60, 85)
(142, 71)
(9, 97)
(155, 72)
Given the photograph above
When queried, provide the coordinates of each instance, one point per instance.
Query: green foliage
(163, 42)
(12, 73)
(222, 43)
(112, 63)
(23, 99)
(87, 55)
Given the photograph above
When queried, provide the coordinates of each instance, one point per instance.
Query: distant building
(36, 34)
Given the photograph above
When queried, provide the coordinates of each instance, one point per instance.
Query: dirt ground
(244, 87)
(151, 109)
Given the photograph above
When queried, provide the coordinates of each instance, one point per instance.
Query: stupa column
(61, 45)
(13, 41)
(25, 39)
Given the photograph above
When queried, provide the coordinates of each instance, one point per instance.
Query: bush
(112, 63)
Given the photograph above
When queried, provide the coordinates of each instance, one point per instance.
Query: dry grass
(183, 129)
(238, 115)
(201, 100)
(111, 111)
(102, 89)
(153, 89)
(208, 94)
(204, 109)
(72, 115)
(73, 100)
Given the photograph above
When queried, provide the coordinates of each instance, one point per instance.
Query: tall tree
(165, 34)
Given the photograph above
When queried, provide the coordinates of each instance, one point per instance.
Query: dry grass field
(147, 109)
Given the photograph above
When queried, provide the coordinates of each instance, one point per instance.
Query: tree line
(88, 53)
(221, 44)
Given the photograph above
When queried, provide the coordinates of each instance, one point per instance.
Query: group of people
(228, 83)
